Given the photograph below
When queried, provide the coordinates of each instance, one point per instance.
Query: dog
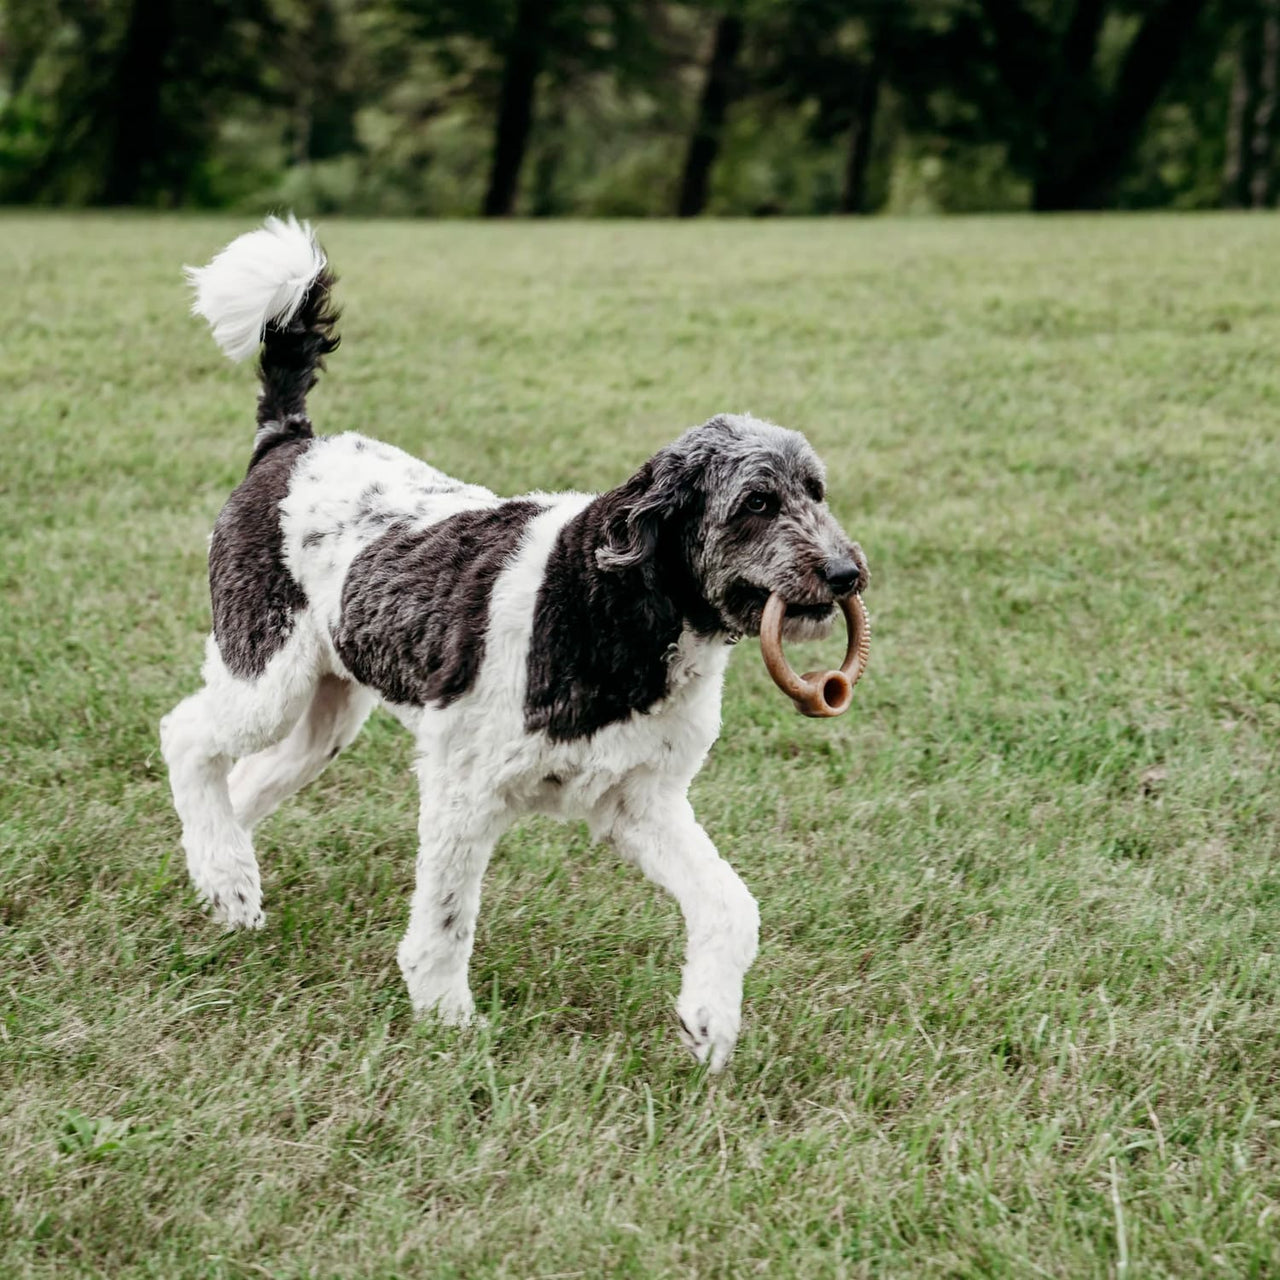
(553, 653)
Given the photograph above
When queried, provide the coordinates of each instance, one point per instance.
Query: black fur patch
(254, 595)
(415, 604)
(601, 637)
(292, 357)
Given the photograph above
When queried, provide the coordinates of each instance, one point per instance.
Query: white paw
(708, 1032)
(452, 1012)
(238, 907)
(232, 893)
(448, 1000)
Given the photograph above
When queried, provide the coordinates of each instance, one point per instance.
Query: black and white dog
(554, 653)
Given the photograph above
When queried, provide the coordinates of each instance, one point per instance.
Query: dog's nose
(842, 575)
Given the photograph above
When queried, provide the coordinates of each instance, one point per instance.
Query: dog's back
(320, 518)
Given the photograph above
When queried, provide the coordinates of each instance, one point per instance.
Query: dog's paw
(456, 1013)
(708, 1033)
(225, 875)
(237, 907)
(452, 1005)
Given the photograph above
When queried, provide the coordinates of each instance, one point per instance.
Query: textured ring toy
(817, 693)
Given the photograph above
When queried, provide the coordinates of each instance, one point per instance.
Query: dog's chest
(572, 779)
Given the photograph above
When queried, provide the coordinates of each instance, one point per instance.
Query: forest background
(639, 108)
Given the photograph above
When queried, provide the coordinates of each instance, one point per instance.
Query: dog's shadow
(570, 941)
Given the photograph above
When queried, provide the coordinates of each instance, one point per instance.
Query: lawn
(1017, 1006)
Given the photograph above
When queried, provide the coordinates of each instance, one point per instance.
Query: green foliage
(935, 175)
(390, 106)
(1016, 1000)
(119, 102)
(770, 164)
(1180, 160)
(1066, 90)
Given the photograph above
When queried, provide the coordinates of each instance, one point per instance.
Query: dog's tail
(272, 287)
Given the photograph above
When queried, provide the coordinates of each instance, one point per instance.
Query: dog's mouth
(758, 597)
(804, 619)
(814, 612)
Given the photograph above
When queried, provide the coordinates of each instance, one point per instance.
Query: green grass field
(1017, 1007)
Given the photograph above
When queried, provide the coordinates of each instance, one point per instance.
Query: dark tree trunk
(525, 55)
(1152, 57)
(1239, 144)
(136, 139)
(1264, 117)
(1081, 43)
(853, 198)
(1069, 99)
(712, 106)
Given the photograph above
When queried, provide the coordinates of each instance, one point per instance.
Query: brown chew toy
(817, 693)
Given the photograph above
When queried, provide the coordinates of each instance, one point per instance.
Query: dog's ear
(638, 511)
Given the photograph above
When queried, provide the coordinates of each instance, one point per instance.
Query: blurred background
(546, 108)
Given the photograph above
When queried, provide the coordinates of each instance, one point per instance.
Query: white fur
(325, 492)
(261, 276)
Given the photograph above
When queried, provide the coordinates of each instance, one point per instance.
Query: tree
(713, 103)
(1248, 174)
(524, 55)
(1069, 105)
(864, 101)
(532, 41)
(119, 103)
(823, 54)
(314, 77)
(448, 105)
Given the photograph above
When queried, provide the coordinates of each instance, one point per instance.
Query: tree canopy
(582, 107)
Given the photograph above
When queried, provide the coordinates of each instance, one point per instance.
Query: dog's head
(739, 506)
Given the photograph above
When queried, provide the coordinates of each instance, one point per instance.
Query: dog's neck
(603, 639)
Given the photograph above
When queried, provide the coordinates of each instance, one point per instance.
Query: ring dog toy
(817, 693)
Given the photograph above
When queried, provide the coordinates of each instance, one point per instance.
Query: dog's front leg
(457, 831)
(656, 829)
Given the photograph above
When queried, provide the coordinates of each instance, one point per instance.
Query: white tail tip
(260, 277)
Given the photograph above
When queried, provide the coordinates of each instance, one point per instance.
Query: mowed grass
(1017, 1006)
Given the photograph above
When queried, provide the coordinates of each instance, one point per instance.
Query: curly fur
(553, 653)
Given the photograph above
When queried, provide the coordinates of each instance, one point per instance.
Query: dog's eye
(761, 504)
(815, 490)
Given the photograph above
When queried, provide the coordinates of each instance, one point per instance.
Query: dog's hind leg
(201, 737)
(261, 782)
(656, 829)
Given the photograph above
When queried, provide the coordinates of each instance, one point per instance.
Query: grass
(1017, 1001)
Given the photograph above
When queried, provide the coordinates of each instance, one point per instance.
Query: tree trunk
(853, 198)
(1239, 145)
(1265, 115)
(139, 76)
(1080, 46)
(712, 106)
(525, 55)
(1150, 61)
